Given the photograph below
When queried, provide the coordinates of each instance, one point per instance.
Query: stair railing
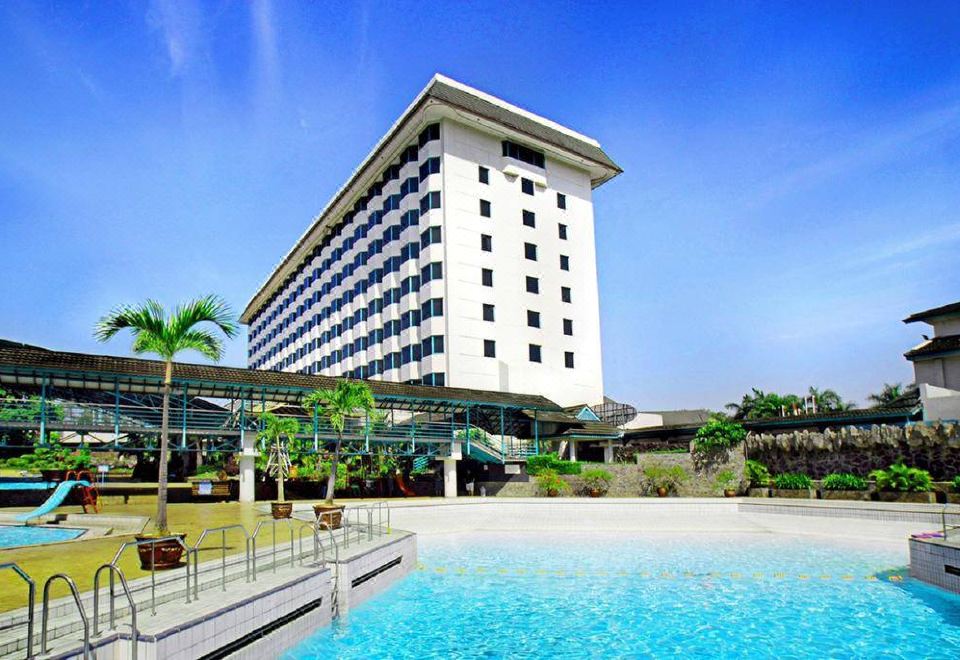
(115, 571)
(152, 542)
(45, 616)
(223, 555)
(31, 600)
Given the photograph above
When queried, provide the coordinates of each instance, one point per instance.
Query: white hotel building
(460, 253)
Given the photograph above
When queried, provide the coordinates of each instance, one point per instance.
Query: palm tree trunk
(280, 493)
(334, 464)
(164, 451)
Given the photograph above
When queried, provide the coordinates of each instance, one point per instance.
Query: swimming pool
(499, 595)
(26, 485)
(16, 535)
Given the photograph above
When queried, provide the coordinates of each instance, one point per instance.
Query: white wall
(939, 402)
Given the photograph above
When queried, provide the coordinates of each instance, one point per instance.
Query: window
(430, 166)
(529, 219)
(568, 327)
(437, 379)
(522, 153)
(486, 277)
(431, 132)
(432, 345)
(526, 186)
(484, 208)
(562, 230)
(568, 359)
(432, 271)
(486, 243)
(487, 312)
(561, 201)
(430, 201)
(530, 251)
(564, 262)
(535, 353)
(430, 236)
(533, 318)
(565, 294)
(489, 348)
(484, 175)
(432, 307)
(533, 284)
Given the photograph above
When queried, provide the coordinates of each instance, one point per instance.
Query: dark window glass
(533, 284)
(564, 262)
(535, 353)
(526, 186)
(568, 359)
(484, 208)
(567, 327)
(430, 236)
(432, 271)
(522, 153)
(432, 345)
(561, 201)
(487, 312)
(429, 166)
(530, 251)
(433, 307)
(431, 132)
(529, 219)
(430, 201)
(489, 348)
(562, 231)
(533, 318)
(565, 294)
(486, 243)
(484, 175)
(486, 277)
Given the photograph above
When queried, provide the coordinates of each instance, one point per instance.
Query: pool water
(26, 485)
(611, 595)
(16, 535)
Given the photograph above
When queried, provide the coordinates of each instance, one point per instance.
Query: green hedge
(537, 464)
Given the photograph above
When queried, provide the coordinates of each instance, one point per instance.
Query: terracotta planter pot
(162, 555)
(281, 510)
(795, 493)
(662, 492)
(729, 492)
(596, 492)
(844, 494)
(909, 498)
(330, 516)
(552, 492)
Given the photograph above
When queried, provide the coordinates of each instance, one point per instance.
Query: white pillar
(573, 450)
(449, 477)
(247, 470)
(608, 452)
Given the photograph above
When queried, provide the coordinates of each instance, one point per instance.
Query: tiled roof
(28, 359)
(944, 310)
(934, 347)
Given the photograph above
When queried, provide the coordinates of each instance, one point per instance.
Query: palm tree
(829, 401)
(347, 399)
(155, 331)
(275, 429)
(890, 392)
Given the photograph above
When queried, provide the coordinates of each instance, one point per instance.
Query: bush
(548, 480)
(537, 464)
(597, 479)
(727, 480)
(902, 479)
(718, 434)
(662, 476)
(843, 481)
(792, 481)
(757, 474)
(956, 483)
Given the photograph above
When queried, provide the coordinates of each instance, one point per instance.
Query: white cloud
(179, 25)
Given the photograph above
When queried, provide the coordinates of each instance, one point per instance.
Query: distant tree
(889, 393)
(758, 404)
(829, 401)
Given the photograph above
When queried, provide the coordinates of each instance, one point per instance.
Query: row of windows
(410, 154)
(534, 353)
(529, 218)
(522, 153)
(433, 345)
(533, 318)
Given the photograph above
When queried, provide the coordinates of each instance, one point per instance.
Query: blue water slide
(56, 499)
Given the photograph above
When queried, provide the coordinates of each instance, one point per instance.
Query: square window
(489, 348)
(568, 359)
(530, 251)
(561, 201)
(533, 318)
(487, 312)
(565, 294)
(486, 277)
(529, 219)
(562, 230)
(533, 284)
(526, 185)
(568, 327)
(535, 353)
(486, 243)
(564, 262)
(484, 175)
(484, 208)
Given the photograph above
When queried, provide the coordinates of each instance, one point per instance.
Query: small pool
(648, 595)
(17, 535)
(26, 485)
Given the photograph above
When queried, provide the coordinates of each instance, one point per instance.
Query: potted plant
(550, 484)
(728, 482)
(277, 432)
(348, 399)
(596, 481)
(209, 481)
(843, 486)
(899, 483)
(759, 477)
(794, 485)
(663, 478)
(155, 331)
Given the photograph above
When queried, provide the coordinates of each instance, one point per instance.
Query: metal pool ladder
(46, 613)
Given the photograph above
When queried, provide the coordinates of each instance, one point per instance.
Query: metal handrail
(115, 570)
(46, 613)
(31, 600)
(153, 565)
(256, 532)
(943, 521)
(223, 555)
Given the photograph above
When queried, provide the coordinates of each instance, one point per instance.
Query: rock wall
(934, 447)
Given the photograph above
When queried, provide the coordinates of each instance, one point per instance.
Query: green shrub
(792, 481)
(757, 474)
(718, 434)
(843, 481)
(727, 480)
(548, 480)
(902, 479)
(597, 479)
(956, 483)
(664, 476)
(536, 465)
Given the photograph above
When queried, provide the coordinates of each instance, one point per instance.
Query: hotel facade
(460, 253)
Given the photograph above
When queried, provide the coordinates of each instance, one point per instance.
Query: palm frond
(208, 309)
(201, 341)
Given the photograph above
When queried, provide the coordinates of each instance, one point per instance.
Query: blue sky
(791, 184)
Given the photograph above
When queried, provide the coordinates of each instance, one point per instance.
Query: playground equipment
(90, 495)
(404, 488)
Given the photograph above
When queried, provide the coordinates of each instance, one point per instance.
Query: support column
(573, 450)
(450, 470)
(608, 452)
(248, 453)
